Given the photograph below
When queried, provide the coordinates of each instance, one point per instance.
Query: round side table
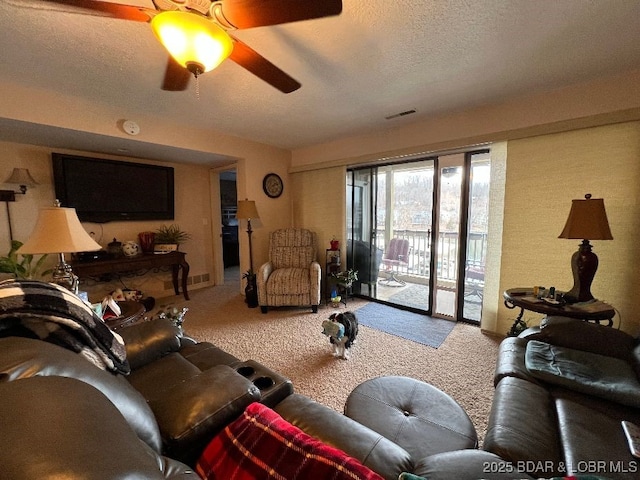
(131, 313)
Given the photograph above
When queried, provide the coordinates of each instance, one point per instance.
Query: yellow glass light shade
(193, 41)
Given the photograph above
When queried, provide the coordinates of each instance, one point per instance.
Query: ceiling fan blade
(114, 10)
(176, 77)
(257, 13)
(248, 58)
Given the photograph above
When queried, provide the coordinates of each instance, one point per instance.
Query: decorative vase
(335, 244)
(146, 241)
(251, 292)
(115, 248)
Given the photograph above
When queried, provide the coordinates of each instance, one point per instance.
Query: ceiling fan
(208, 22)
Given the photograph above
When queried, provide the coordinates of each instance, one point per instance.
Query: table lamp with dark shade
(588, 221)
(58, 230)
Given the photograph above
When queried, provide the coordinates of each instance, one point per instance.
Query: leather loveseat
(565, 417)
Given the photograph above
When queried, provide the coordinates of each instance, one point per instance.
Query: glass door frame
(464, 232)
(374, 233)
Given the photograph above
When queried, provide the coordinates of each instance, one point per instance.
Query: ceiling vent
(401, 114)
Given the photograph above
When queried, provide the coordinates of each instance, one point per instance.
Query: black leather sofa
(59, 413)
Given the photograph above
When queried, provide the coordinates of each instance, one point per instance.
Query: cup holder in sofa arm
(263, 383)
(246, 371)
(190, 413)
(273, 387)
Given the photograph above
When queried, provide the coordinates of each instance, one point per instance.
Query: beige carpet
(289, 340)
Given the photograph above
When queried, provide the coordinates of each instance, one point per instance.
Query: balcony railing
(448, 244)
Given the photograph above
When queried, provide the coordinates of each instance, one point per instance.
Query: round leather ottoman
(415, 415)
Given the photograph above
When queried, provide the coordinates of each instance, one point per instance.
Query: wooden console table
(134, 265)
(595, 311)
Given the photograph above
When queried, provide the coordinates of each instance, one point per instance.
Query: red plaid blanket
(262, 445)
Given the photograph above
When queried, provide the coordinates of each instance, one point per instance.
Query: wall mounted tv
(107, 190)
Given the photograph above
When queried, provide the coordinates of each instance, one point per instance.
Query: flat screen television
(107, 190)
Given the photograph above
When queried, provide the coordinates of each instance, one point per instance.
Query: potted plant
(21, 268)
(345, 278)
(169, 238)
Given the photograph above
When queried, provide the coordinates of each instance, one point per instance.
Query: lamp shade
(58, 230)
(193, 41)
(21, 176)
(247, 210)
(587, 220)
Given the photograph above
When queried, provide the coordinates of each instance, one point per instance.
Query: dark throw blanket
(52, 313)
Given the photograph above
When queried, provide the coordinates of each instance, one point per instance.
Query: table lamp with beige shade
(58, 230)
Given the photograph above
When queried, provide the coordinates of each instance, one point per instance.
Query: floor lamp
(247, 211)
(58, 230)
(588, 221)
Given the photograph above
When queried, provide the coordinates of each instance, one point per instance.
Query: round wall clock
(272, 185)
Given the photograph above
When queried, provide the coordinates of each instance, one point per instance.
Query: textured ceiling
(376, 59)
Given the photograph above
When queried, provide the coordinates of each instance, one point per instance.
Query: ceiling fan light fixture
(192, 40)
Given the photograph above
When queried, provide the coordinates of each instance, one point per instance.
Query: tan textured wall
(543, 175)
(320, 205)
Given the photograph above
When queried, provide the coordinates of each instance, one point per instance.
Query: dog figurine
(342, 330)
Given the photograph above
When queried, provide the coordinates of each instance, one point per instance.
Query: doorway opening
(230, 242)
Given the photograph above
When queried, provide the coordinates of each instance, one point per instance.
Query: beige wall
(252, 160)
(193, 214)
(274, 213)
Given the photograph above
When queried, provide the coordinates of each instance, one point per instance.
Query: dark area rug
(411, 326)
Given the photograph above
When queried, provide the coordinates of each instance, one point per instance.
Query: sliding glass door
(397, 212)
(475, 235)
(389, 224)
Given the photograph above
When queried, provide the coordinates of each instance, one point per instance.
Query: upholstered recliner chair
(292, 275)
